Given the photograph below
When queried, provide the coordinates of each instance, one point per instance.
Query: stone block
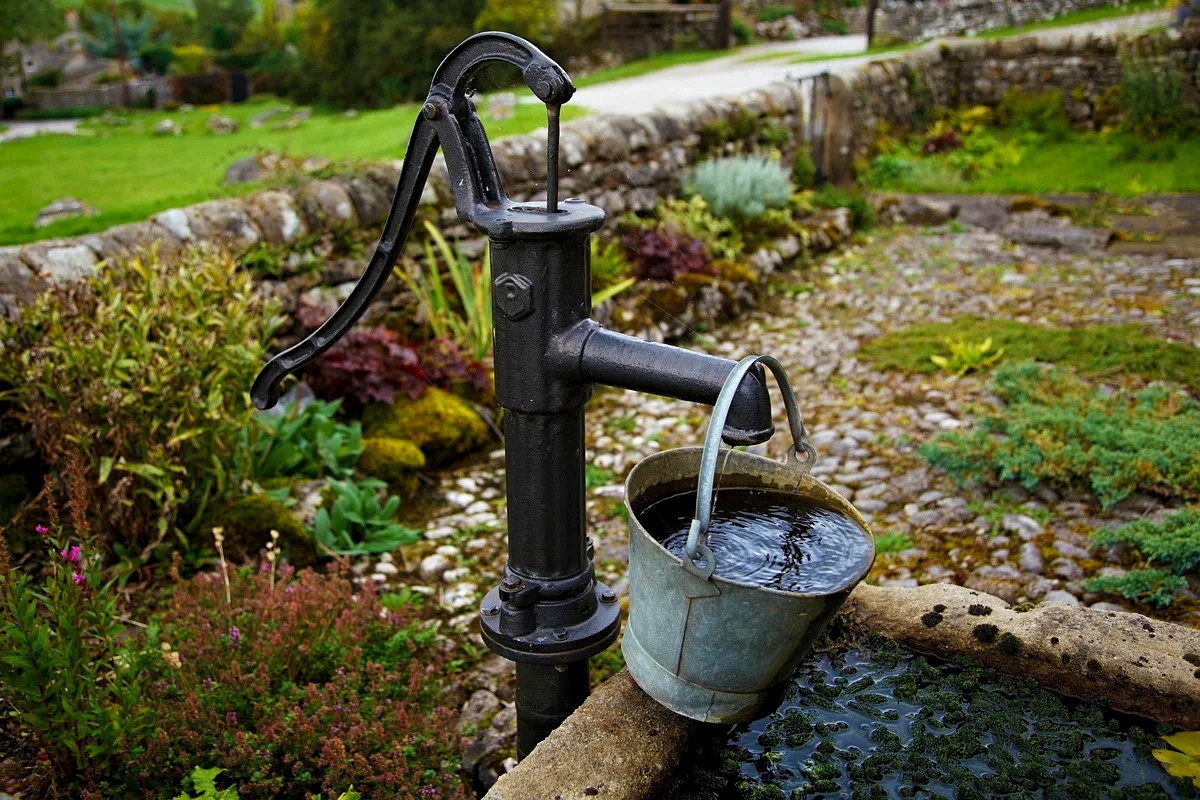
(223, 223)
(278, 217)
(19, 286)
(60, 260)
(371, 202)
(123, 241)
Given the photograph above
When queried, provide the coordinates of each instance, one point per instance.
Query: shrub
(804, 171)
(141, 372)
(1057, 429)
(1154, 587)
(1040, 113)
(663, 253)
(368, 365)
(1174, 542)
(742, 187)
(1152, 104)
(862, 215)
(610, 266)
(68, 672)
(47, 78)
(302, 686)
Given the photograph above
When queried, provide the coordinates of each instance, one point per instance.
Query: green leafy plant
(141, 372)
(892, 542)
(610, 270)
(306, 442)
(204, 783)
(742, 187)
(468, 321)
(862, 215)
(1040, 112)
(68, 671)
(356, 524)
(967, 356)
(1058, 429)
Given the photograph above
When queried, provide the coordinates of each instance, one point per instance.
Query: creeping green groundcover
(886, 723)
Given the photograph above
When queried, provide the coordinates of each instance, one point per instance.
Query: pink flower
(42, 530)
(235, 636)
(71, 554)
(79, 578)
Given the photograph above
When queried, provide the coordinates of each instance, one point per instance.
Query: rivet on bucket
(705, 646)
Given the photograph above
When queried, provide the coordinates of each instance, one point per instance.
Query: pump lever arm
(447, 119)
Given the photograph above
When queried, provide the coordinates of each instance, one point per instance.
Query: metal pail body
(712, 649)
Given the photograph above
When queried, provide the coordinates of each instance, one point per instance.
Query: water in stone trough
(764, 538)
(882, 722)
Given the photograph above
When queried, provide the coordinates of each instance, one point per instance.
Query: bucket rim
(740, 455)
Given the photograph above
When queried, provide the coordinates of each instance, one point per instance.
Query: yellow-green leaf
(1187, 742)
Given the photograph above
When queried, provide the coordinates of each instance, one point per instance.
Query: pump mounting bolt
(431, 112)
(490, 610)
(560, 634)
(512, 584)
(608, 596)
(514, 295)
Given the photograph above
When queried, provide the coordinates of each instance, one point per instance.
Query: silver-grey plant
(741, 187)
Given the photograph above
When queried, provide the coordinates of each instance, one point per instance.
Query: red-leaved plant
(301, 686)
(662, 253)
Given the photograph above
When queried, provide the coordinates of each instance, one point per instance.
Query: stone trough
(622, 745)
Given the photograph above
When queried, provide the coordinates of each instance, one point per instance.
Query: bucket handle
(800, 455)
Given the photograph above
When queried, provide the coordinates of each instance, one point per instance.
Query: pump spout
(615, 359)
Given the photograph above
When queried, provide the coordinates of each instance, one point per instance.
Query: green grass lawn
(128, 173)
(1087, 162)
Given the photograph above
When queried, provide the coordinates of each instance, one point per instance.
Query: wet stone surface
(866, 425)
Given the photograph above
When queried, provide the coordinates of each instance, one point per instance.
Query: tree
(536, 20)
(103, 43)
(25, 20)
(375, 53)
(221, 23)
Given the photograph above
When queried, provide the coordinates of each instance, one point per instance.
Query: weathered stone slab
(223, 223)
(618, 744)
(1139, 665)
(60, 260)
(19, 286)
(278, 217)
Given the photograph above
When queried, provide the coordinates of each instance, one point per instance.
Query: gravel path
(866, 426)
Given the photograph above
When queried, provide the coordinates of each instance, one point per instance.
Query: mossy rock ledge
(444, 427)
(396, 462)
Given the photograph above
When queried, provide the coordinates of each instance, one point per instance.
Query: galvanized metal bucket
(709, 648)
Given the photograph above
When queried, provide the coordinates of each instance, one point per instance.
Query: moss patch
(1092, 350)
(443, 426)
(985, 633)
(979, 610)
(931, 619)
(248, 522)
(396, 462)
(1008, 644)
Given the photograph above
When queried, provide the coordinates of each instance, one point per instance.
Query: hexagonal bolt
(514, 295)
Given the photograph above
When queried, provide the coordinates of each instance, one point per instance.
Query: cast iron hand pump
(549, 614)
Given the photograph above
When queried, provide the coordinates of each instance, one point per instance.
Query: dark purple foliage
(663, 253)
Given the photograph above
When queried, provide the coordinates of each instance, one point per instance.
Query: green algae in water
(889, 724)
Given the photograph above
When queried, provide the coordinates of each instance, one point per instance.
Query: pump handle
(447, 119)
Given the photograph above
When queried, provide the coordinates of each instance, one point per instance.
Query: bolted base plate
(560, 644)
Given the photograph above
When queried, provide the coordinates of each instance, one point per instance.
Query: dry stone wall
(901, 94)
(626, 163)
(928, 19)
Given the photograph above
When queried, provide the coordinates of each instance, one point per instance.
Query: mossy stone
(443, 426)
(247, 524)
(394, 461)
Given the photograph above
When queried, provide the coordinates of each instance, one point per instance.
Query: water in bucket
(764, 538)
